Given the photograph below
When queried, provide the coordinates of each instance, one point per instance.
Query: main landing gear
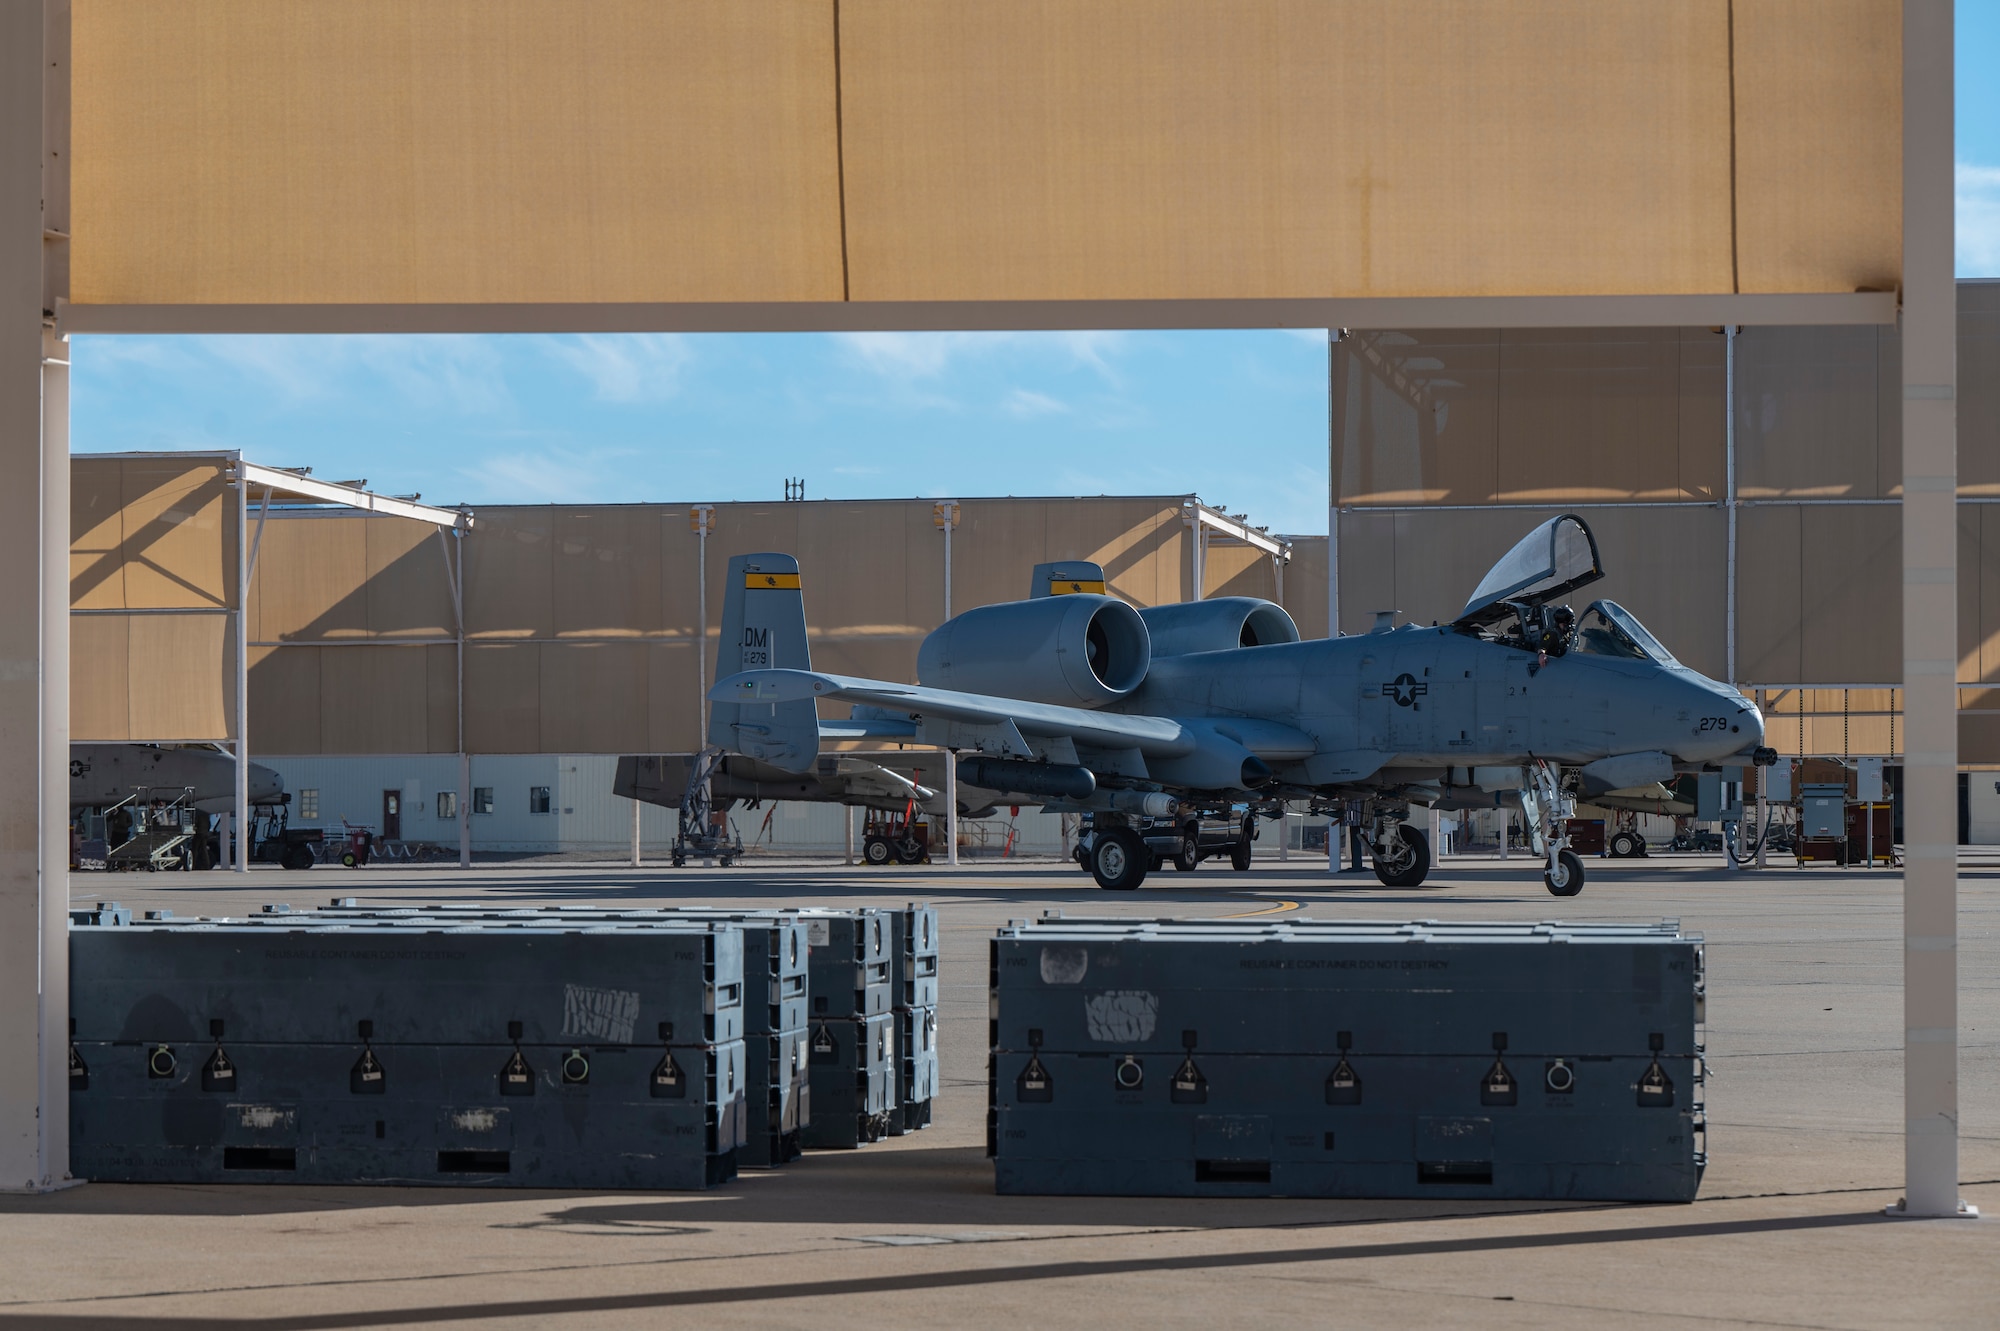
(1119, 859)
(1401, 853)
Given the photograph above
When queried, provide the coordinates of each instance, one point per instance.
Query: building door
(392, 815)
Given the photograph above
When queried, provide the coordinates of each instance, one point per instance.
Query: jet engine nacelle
(1216, 762)
(1076, 651)
(1217, 625)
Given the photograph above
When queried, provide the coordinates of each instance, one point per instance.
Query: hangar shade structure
(186, 165)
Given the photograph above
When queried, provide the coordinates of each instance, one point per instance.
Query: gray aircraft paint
(103, 774)
(1393, 717)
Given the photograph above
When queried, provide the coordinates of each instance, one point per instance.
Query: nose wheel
(1547, 810)
(1564, 876)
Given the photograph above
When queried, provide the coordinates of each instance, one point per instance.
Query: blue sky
(1238, 417)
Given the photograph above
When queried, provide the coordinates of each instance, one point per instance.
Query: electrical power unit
(1170, 1058)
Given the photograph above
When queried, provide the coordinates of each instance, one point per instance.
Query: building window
(482, 799)
(309, 804)
(447, 803)
(538, 799)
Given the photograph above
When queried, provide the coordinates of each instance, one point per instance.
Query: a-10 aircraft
(1081, 703)
(101, 775)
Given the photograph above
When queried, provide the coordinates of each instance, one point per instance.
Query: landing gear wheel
(297, 857)
(1119, 860)
(910, 852)
(1239, 854)
(877, 851)
(1566, 878)
(1188, 857)
(1628, 846)
(1411, 867)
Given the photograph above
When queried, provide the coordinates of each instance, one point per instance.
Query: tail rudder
(1065, 578)
(764, 628)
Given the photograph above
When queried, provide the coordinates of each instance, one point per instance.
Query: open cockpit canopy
(1549, 562)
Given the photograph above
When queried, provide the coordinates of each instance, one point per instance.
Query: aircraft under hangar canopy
(102, 775)
(1082, 703)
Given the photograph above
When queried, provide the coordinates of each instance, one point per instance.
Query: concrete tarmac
(1805, 1148)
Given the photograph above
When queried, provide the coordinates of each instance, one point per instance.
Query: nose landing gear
(1547, 810)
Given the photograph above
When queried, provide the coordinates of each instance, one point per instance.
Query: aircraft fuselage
(1441, 697)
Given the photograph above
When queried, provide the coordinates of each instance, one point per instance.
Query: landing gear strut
(1402, 854)
(1547, 810)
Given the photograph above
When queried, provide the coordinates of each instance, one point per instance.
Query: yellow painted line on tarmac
(1278, 909)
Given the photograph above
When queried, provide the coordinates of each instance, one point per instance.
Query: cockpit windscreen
(1609, 629)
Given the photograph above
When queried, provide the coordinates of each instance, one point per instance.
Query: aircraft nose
(1745, 724)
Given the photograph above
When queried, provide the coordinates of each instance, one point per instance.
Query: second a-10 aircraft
(1081, 703)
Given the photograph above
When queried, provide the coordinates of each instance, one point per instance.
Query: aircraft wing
(1153, 736)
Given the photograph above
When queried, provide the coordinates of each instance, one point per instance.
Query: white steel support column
(1332, 489)
(636, 807)
(1729, 491)
(240, 806)
(951, 806)
(34, 612)
(702, 518)
(457, 570)
(1930, 621)
(946, 515)
(1763, 803)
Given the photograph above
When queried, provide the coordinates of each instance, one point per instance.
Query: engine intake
(1217, 625)
(1077, 651)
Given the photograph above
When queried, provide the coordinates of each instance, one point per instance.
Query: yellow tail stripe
(1072, 586)
(770, 582)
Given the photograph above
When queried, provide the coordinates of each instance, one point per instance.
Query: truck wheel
(1188, 857)
(1412, 867)
(1119, 860)
(297, 856)
(877, 851)
(1566, 879)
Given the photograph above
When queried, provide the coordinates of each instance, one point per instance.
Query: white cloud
(631, 367)
(461, 373)
(1026, 403)
(554, 475)
(1978, 220)
(906, 356)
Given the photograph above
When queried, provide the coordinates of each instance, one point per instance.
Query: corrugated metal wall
(1448, 445)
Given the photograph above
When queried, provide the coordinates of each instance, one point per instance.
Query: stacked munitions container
(774, 1007)
(851, 1032)
(1173, 1058)
(843, 1020)
(914, 993)
(324, 1048)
